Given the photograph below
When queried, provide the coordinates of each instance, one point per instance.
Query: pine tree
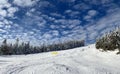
(4, 48)
(110, 41)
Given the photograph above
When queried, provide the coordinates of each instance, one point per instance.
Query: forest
(26, 48)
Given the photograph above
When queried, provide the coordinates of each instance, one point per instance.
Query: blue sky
(50, 21)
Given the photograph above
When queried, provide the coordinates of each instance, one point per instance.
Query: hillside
(84, 60)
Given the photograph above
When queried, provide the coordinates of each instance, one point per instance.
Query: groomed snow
(84, 60)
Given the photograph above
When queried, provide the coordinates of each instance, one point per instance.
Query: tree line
(25, 48)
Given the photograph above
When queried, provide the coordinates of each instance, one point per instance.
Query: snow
(83, 60)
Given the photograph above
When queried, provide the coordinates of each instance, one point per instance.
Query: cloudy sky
(50, 21)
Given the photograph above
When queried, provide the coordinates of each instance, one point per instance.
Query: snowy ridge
(84, 60)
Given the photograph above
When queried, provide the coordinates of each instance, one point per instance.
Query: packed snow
(83, 60)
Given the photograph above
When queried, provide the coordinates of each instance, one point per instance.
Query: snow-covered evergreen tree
(110, 41)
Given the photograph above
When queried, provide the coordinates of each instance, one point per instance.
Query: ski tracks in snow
(40, 68)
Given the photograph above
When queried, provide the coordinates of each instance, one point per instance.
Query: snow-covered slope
(84, 60)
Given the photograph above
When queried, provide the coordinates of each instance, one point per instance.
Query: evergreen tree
(110, 41)
(4, 48)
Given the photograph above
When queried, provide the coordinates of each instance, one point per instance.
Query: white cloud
(11, 11)
(113, 8)
(2, 31)
(54, 26)
(44, 4)
(68, 22)
(8, 12)
(93, 35)
(72, 14)
(34, 20)
(81, 6)
(3, 13)
(97, 2)
(92, 12)
(106, 1)
(32, 10)
(25, 2)
(55, 33)
(47, 36)
(57, 15)
(87, 17)
(1, 25)
(104, 25)
(68, 11)
(65, 32)
(68, 0)
(6, 22)
(3, 1)
(90, 15)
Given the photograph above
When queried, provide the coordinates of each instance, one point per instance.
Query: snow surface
(84, 60)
